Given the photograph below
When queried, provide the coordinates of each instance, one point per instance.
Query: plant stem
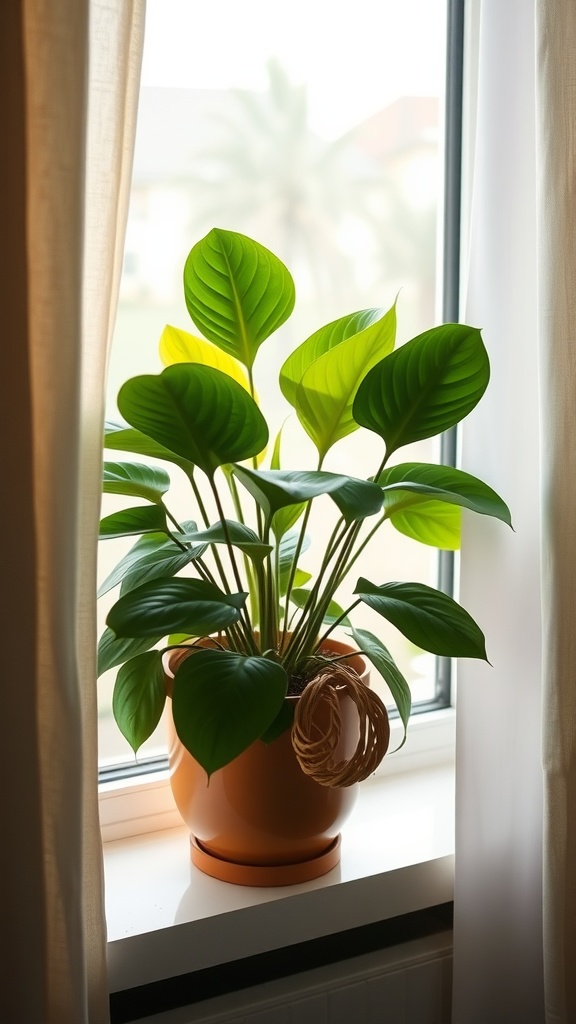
(247, 625)
(173, 537)
(305, 612)
(338, 621)
(253, 582)
(199, 501)
(294, 565)
(306, 632)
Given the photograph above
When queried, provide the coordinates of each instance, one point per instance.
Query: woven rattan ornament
(315, 746)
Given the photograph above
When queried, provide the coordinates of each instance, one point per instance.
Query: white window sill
(166, 918)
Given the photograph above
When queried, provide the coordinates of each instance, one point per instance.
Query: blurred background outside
(319, 134)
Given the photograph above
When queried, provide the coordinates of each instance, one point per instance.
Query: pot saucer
(264, 874)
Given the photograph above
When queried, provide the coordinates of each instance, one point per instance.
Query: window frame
(125, 779)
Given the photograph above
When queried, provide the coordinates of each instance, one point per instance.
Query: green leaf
(412, 481)
(139, 697)
(425, 387)
(427, 617)
(326, 339)
(287, 550)
(384, 663)
(241, 536)
(174, 605)
(283, 721)
(196, 411)
(119, 437)
(153, 555)
(357, 499)
(130, 521)
(325, 395)
(135, 479)
(114, 651)
(285, 518)
(301, 578)
(237, 292)
(165, 561)
(275, 457)
(430, 522)
(276, 489)
(333, 613)
(286, 553)
(222, 702)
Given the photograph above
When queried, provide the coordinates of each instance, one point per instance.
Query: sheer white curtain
(61, 61)
(498, 929)
(514, 909)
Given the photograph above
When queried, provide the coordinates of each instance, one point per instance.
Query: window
(323, 139)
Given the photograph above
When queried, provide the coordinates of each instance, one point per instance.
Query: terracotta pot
(261, 820)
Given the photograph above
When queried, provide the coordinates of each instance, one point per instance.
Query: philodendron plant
(233, 569)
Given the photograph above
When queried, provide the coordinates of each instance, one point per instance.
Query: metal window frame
(450, 280)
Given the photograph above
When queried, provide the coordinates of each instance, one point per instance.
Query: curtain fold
(64, 65)
(556, 148)
(515, 918)
(498, 875)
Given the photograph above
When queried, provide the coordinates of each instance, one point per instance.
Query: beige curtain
(556, 149)
(64, 65)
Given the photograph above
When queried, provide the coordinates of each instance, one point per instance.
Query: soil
(297, 685)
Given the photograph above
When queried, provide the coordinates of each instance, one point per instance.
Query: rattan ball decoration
(315, 747)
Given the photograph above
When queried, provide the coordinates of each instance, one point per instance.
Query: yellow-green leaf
(178, 346)
(429, 521)
(324, 397)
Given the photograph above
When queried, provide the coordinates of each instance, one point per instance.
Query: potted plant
(216, 611)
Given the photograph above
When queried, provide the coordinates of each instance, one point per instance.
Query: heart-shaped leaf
(325, 395)
(174, 605)
(135, 479)
(198, 412)
(427, 617)
(113, 650)
(443, 483)
(130, 521)
(384, 663)
(425, 387)
(237, 292)
(222, 702)
(139, 697)
(178, 346)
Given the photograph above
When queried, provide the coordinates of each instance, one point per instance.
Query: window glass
(316, 128)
